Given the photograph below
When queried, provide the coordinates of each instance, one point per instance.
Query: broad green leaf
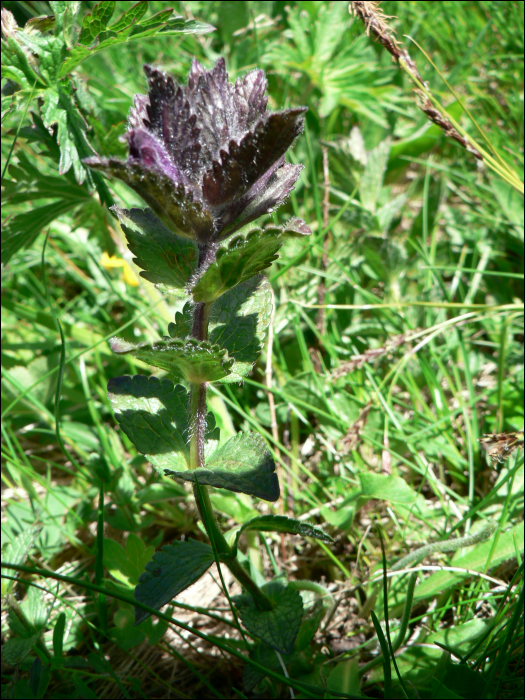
(50, 107)
(170, 572)
(238, 323)
(15, 650)
(51, 52)
(243, 258)
(243, 464)
(154, 414)
(475, 559)
(266, 657)
(17, 61)
(281, 523)
(344, 679)
(196, 361)
(125, 633)
(278, 627)
(459, 681)
(126, 565)
(164, 257)
(393, 489)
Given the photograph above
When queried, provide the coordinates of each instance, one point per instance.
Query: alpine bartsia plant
(209, 159)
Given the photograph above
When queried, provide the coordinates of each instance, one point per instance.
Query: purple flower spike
(207, 157)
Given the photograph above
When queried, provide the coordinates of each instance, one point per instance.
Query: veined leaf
(170, 572)
(97, 35)
(243, 258)
(238, 323)
(243, 464)
(154, 414)
(196, 361)
(281, 523)
(278, 627)
(164, 257)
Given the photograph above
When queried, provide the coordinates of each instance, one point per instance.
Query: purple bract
(208, 157)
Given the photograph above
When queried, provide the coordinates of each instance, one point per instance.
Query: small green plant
(209, 159)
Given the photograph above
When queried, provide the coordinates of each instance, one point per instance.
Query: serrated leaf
(243, 464)
(96, 21)
(16, 552)
(281, 523)
(129, 27)
(244, 257)
(170, 572)
(50, 50)
(183, 322)
(241, 260)
(154, 414)
(164, 257)
(238, 323)
(175, 205)
(134, 14)
(278, 627)
(196, 361)
(16, 63)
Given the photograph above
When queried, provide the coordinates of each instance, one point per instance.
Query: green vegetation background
(380, 399)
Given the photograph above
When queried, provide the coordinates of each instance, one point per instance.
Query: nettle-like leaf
(164, 257)
(178, 208)
(154, 414)
(278, 627)
(170, 572)
(243, 258)
(279, 523)
(243, 464)
(197, 361)
(238, 323)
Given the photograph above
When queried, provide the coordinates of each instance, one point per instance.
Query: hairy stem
(198, 392)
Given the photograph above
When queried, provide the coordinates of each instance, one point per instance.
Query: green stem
(197, 461)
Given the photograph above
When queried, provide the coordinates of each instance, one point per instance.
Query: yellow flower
(108, 262)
